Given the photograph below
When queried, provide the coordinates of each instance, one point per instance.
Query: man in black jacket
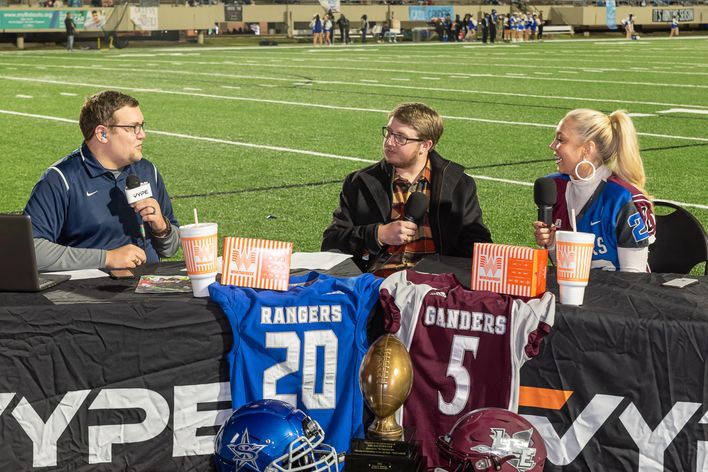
(370, 224)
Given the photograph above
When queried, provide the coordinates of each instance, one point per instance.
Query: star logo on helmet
(245, 453)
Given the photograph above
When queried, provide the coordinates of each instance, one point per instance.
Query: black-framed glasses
(136, 128)
(399, 139)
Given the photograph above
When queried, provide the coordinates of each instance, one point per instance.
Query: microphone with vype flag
(416, 206)
(136, 191)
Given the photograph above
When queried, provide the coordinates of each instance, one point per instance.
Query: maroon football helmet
(492, 439)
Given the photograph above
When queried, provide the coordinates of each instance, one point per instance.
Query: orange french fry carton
(256, 263)
(513, 270)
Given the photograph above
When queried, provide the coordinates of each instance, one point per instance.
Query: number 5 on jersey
(456, 369)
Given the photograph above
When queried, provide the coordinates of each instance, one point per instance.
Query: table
(634, 358)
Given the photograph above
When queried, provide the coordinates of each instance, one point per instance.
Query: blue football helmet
(272, 436)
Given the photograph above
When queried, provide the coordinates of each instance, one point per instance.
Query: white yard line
(684, 110)
(333, 107)
(304, 152)
(283, 67)
(404, 87)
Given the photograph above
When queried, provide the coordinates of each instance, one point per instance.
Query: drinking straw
(196, 219)
(572, 219)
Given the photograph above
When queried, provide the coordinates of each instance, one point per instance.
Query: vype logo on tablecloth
(651, 441)
(189, 415)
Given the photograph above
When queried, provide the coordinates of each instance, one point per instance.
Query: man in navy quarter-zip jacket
(369, 222)
(80, 215)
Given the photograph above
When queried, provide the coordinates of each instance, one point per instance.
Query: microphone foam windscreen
(544, 191)
(133, 181)
(416, 206)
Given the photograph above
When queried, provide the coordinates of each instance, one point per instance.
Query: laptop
(18, 264)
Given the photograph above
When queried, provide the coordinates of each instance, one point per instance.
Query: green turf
(233, 107)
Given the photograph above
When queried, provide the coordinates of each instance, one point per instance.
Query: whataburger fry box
(256, 263)
(513, 270)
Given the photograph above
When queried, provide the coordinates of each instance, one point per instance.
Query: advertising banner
(39, 19)
(611, 14)
(233, 12)
(427, 13)
(86, 20)
(144, 18)
(660, 15)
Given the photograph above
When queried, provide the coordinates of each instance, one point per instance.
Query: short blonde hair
(426, 121)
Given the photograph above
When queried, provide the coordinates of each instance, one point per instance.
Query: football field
(259, 139)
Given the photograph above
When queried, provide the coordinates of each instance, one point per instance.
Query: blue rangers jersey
(303, 346)
(618, 214)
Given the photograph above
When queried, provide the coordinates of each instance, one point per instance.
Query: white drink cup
(200, 247)
(573, 260)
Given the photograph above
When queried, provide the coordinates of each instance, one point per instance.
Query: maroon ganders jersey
(467, 348)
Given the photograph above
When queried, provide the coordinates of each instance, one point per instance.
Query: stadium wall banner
(233, 12)
(40, 19)
(145, 18)
(330, 5)
(611, 14)
(427, 13)
(665, 15)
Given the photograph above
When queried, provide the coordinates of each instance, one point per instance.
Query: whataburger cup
(573, 259)
(199, 244)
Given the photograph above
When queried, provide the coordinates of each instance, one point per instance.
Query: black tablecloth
(634, 353)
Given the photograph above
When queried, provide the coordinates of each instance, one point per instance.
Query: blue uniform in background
(303, 346)
(618, 214)
(79, 203)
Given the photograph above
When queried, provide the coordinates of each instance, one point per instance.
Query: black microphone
(544, 194)
(416, 206)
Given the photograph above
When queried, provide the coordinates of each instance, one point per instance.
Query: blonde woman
(601, 178)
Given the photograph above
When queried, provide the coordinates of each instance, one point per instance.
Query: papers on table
(317, 260)
(82, 274)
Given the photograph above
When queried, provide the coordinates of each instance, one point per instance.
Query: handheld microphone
(544, 194)
(134, 192)
(416, 206)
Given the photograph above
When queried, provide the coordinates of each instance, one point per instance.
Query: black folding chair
(681, 242)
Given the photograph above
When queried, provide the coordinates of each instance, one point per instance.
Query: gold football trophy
(386, 379)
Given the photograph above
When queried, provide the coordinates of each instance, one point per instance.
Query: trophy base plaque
(374, 455)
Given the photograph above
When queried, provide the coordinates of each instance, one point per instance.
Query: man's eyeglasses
(136, 128)
(399, 139)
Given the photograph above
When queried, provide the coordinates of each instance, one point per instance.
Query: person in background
(471, 29)
(493, 18)
(364, 28)
(369, 222)
(674, 27)
(70, 26)
(343, 23)
(628, 24)
(457, 26)
(80, 216)
(541, 22)
(327, 30)
(601, 178)
(316, 25)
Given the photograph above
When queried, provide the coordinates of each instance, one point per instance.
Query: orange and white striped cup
(573, 260)
(200, 247)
